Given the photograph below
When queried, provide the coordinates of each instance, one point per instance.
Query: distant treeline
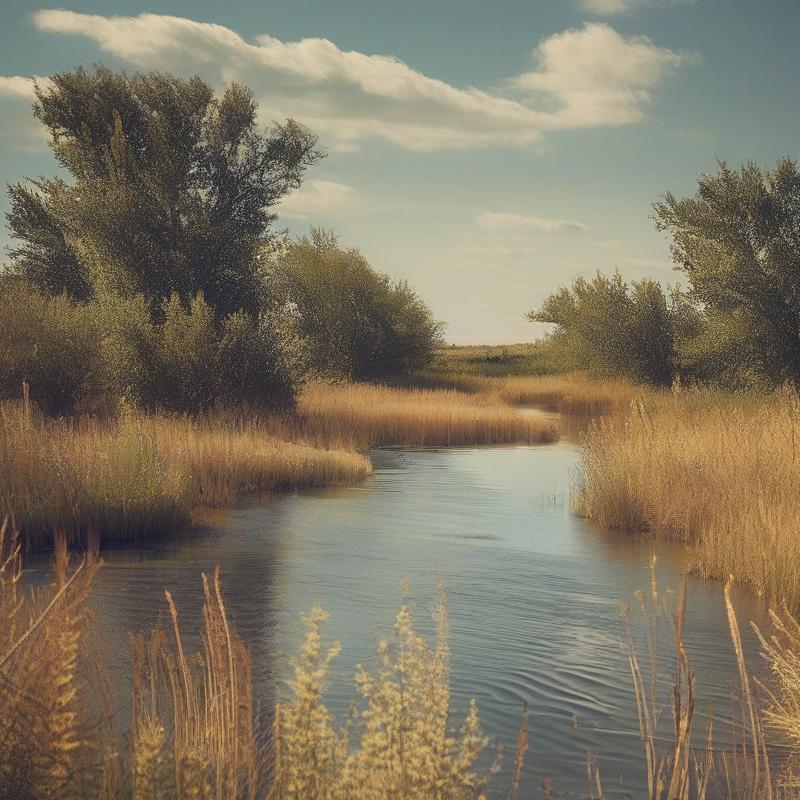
(735, 324)
(154, 274)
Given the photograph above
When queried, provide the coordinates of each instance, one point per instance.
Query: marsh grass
(718, 474)
(682, 760)
(195, 734)
(140, 475)
(49, 744)
(570, 393)
(365, 415)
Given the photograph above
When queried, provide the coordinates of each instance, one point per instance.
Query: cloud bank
(581, 78)
(501, 220)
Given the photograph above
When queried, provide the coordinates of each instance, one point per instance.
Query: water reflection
(533, 595)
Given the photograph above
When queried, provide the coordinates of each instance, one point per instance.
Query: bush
(355, 323)
(611, 327)
(51, 343)
(191, 361)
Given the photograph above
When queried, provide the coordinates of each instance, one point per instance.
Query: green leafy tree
(738, 242)
(171, 190)
(610, 327)
(355, 322)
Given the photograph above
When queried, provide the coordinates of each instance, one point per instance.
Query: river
(533, 594)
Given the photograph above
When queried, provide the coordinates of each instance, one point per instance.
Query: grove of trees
(150, 271)
(737, 324)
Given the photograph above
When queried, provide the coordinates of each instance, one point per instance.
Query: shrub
(51, 343)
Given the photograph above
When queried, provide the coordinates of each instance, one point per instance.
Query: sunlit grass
(717, 473)
(140, 475)
(364, 415)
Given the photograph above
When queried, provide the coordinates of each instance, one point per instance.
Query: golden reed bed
(362, 415)
(139, 475)
(716, 472)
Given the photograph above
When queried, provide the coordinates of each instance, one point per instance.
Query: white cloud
(17, 86)
(319, 197)
(611, 7)
(582, 78)
(501, 220)
(600, 76)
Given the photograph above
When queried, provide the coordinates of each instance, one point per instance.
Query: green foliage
(171, 190)
(191, 361)
(738, 241)
(614, 328)
(51, 343)
(355, 322)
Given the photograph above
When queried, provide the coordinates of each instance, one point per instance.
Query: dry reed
(142, 475)
(363, 415)
(570, 393)
(48, 746)
(718, 474)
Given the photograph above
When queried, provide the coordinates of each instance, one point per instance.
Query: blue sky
(485, 152)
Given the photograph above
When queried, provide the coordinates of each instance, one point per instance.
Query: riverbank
(135, 475)
(716, 473)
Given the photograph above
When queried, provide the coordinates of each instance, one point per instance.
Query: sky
(486, 152)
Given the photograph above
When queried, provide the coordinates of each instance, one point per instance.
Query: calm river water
(533, 595)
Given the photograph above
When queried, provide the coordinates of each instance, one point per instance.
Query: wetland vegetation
(164, 351)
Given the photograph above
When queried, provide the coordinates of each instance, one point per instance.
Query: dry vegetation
(135, 475)
(139, 475)
(719, 474)
(363, 415)
(195, 734)
(573, 393)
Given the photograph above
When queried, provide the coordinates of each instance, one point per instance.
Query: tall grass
(195, 734)
(721, 477)
(138, 475)
(48, 739)
(571, 393)
(363, 415)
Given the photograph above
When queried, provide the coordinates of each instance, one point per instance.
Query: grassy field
(493, 360)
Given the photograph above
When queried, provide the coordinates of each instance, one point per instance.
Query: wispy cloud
(18, 86)
(607, 8)
(585, 77)
(501, 220)
(319, 197)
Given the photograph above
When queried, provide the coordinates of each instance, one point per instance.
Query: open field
(529, 358)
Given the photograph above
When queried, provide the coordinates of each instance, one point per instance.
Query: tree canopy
(172, 190)
(738, 242)
(355, 322)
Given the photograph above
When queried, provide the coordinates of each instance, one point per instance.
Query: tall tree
(738, 241)
(171, 190)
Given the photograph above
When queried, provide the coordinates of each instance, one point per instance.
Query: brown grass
(719, 474)
(139, 475)
(572, 393)
(47, 737)
(364, 415)
(194, 734)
